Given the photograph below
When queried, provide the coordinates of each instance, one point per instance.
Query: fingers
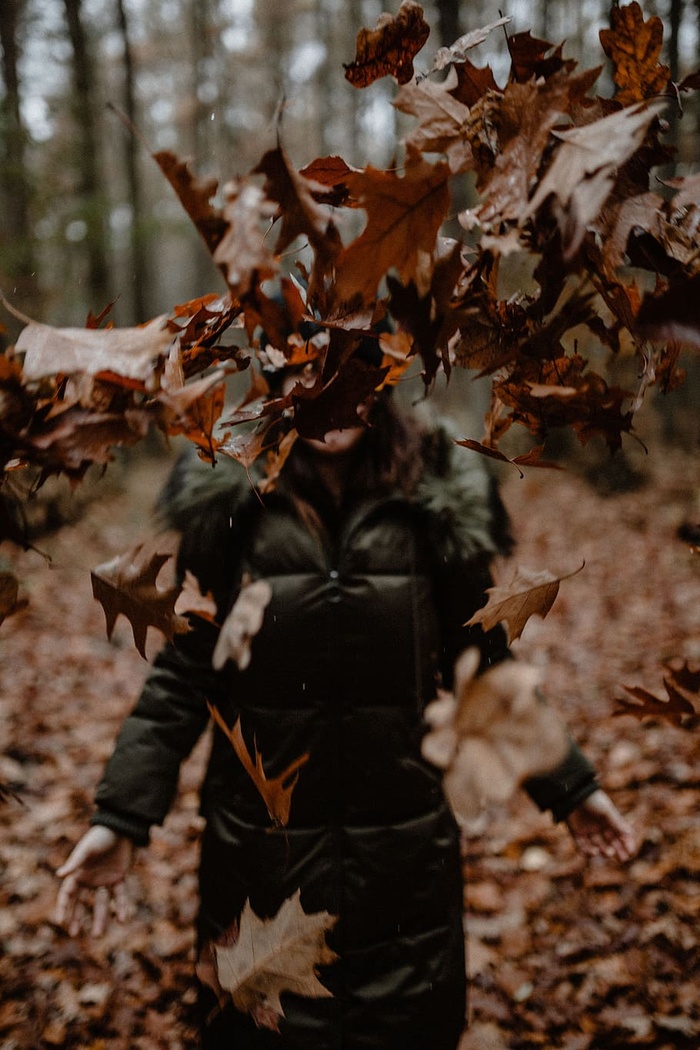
(100, 911)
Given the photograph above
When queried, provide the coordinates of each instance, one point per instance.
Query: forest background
(86, 218)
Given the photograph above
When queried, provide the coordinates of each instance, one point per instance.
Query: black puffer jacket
(359, 631)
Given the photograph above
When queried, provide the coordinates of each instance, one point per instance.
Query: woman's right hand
(93, 876)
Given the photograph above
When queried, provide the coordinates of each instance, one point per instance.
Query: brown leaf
(682, 685)
(276, 792)
(328, 176)
(127, 585)
(260, 959)
(529, 593)
(404, 215)
(633, 45)
(389, 48)
(583, 171)
(194, 411)
(191, 600)
(300, 213)
(492, 735)
(441, 120)
(533, 458)
(132, 353)
(195, 196)
(530, 58)
(335, 406)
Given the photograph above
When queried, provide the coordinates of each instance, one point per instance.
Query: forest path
(563, 953)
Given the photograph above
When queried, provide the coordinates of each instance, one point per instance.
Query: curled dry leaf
(682, 705)
(528, 594)
(389, 48)
(493, 734)
(260, 959)
(191, 600)
(127, 585)
(242, 624)
(276, 792)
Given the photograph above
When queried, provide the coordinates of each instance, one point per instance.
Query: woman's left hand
(599, 829)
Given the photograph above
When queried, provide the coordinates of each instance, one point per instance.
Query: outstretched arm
(599, 829)
(93, 877)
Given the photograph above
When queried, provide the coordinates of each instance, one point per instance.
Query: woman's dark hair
(388, 457)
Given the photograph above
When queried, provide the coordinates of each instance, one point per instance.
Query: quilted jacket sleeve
(141, 776)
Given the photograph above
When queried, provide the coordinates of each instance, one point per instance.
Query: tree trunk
(18, 267)
(138, 248)
(90, 181)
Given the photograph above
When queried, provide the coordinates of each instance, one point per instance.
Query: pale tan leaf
(529, 593)
(269, 957)
(445, 56)
(584, 168)
(132, 353)
(493, 735)
(242, 624)
(191, 600)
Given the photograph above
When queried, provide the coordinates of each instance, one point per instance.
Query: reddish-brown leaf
(127, 585)
(528, 594)
(404, 215)
(195, 196)
(389, 48)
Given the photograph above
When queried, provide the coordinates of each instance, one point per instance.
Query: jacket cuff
(566, 787)
(123, 824)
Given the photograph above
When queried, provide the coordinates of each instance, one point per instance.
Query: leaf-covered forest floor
(563, 953)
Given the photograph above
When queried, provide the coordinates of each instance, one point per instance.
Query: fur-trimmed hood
(457, 492)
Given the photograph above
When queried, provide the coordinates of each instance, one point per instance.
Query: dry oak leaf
(242, 624)
(127, 585)
(585, 166)
(195, 196)
(633, 45)
(191, 600)
(682, 687)
(528, 594)
(276, 792)
(260, 959)
(130, 353)
(404, 215)
(389, 48)
(493, 734)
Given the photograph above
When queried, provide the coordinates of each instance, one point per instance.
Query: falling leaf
(127, 585)
(493, 734)
(457, 53)
(242, 624)
(276, 792)
(404, 215)
(633, 45)
(584, 169)
(533, 458)
(133, 353)
(242, 251)
(441, 118)
(258, 960)
(528, 594)
(195, 196)
(389, 48)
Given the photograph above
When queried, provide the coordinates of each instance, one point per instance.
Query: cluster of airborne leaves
(562, 177)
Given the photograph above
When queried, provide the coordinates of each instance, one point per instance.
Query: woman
(376, 544)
